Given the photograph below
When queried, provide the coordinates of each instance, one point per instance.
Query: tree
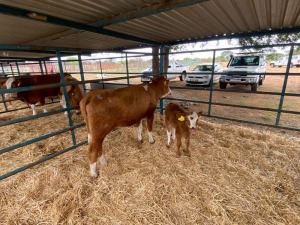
(270, 40)
(226, 54)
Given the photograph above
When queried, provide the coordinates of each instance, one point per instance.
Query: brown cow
(104, 110)
(33, 97)
(178, 122)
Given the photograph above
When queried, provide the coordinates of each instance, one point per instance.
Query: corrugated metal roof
(207, 18)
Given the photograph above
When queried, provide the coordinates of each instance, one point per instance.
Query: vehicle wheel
(272, 65)
(223, 85)
(183, 76)
(254, 87)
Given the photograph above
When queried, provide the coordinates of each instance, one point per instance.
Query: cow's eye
(191, 118)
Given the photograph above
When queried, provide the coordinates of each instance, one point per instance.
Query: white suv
(247, 69)
(283, 61)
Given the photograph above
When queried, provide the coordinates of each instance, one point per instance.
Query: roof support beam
(147, 11)
(238, 35)
(8, 10)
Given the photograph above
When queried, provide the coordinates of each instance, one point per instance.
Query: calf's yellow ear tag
(181, 118)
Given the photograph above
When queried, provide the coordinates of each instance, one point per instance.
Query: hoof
(168, 146)
(187, 154)
(152, 142)
(141, 141)
(94, 175)
(178, 155)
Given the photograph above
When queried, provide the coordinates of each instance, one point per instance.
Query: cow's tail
(83, 103)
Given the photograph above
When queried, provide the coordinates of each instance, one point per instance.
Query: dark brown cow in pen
(32, 97)
(178, 124)
(103, 110)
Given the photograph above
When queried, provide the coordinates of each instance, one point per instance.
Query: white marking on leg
(45, 110)
(140, 130)
(169, 137)
(145, 87)
(151, 140)
(63, 104)
(173, 133)
(33, 109)
(89, 138)
(102, 160)
(93, 169)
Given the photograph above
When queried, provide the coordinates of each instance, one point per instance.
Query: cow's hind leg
(149, 126)
(95, 153)
(140, 130)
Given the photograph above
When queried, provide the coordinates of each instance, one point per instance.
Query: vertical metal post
(63, 82)
(161, 72)
(161, 105)
(65, 66)
(11, 69)
(18, 69)
(2, 69)
(127, 70)
(4, 102)
(41, 68)
(211, 83)
(81, 72)
(161, 60)
(45, 66)
(101, 73)
(284, 86)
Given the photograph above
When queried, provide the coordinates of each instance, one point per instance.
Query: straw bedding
(236, 175)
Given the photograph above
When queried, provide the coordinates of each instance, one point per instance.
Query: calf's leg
(178, 153)
(186, 151)
(169, 136)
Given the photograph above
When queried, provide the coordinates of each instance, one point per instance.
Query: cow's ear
(199, 113)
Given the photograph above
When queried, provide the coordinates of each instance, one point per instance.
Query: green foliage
(71, 58)
(269, 40)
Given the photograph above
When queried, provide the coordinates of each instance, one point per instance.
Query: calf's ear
(68, 87)
(199, 113)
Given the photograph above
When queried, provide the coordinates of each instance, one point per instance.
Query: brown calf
(178, 122)
(103, 110)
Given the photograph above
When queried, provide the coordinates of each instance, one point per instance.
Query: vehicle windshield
(203, 68)
(245, 61)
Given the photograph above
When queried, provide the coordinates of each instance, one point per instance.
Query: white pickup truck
(174, 70)
(247, 69)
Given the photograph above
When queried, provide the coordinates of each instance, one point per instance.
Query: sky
(190, 47)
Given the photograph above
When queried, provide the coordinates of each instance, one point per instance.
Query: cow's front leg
(33, 109)
(140, 130)
(63, 104)
(149, 126)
